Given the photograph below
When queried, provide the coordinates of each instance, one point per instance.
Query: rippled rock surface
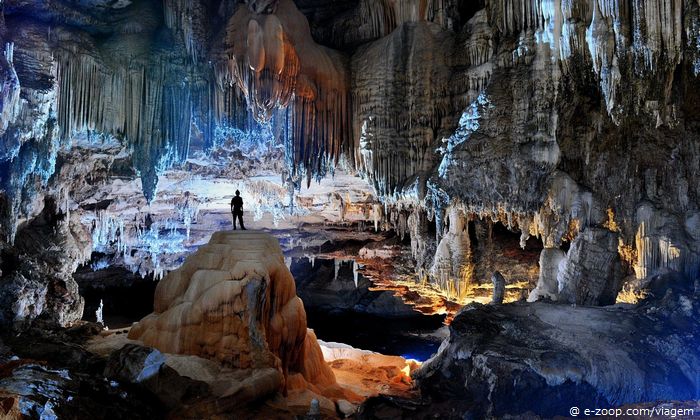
(545, 358)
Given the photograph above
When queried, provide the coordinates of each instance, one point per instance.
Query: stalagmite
(550, 259)
(234, 302)
(355, 272)
(99, 316)
(499, 288)
(452, 263)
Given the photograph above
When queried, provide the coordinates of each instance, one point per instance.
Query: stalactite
(647, 33)
(660, 247)
(136, 103)
(189, 18)
(657, 32)
(273, 61)
(601, 44)
(142, 244)
(28, 136)
(381, 17)
(23, 175)
(401, 99)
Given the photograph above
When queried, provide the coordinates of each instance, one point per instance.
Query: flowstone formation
(268, 53)
(234, 302)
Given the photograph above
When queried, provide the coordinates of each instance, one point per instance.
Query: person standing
(237, 210)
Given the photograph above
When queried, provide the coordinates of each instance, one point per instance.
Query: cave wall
(574, 116)
(576, 123)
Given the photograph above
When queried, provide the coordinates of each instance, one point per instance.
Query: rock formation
(508, 112)
(541, 358)
(567, 128)
(499, 288)
(268, 53)
(234, 302)
(37, 271)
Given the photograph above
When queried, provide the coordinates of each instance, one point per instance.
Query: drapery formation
(145, 90)
(136, 103)
(275, 64)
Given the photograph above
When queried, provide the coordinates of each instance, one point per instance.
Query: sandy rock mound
(234, 302)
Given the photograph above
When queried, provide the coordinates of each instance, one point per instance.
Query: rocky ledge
(543, 358)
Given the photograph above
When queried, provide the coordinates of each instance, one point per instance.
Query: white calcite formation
(549, 117)
(536, 151)
(572, 123)
(452, 257)
(275, 64)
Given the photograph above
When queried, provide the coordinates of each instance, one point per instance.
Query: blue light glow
(468, 123)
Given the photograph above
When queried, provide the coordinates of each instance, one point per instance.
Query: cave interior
(453, 209)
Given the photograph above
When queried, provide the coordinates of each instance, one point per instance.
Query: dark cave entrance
(341, 307)
(9, 262)
(126, 297)
(495, 247)
(468, 8)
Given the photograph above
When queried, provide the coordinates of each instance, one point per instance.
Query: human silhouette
(237, 210)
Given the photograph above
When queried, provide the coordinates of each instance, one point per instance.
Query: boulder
(42, 392)
(539, 357)
(146, 367)
(346, 408)
(134, 364)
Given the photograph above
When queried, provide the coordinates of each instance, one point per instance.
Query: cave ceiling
(549, 116)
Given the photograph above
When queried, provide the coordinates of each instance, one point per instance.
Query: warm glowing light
(573, 230)
(610, 224)
(630, 294)
(627, 253)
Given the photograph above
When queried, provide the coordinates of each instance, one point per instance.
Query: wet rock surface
(543, 357)
(146, 368)
(572, 125)
(47, 372)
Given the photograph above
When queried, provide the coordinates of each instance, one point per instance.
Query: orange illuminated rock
(268, 54)
(234, 301)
